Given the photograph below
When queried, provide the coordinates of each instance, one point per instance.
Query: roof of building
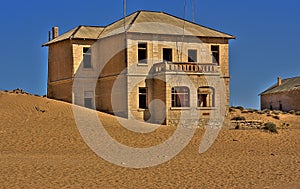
(147, 22)
(80, 32)
(289, 84)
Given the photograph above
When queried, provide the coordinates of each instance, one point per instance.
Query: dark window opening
(192, 55)
(280, 106)
(271, 107)
(180, 97)
(142, 53)
(206, 97)
(88, 103)
(167, 54)
(87, 57)
(142, 97)
(215, 53)
(203, 100)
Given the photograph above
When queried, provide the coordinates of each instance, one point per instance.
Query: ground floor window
(88, 99)
(206, 97)
(142, 97)
(280, 105)
(180, 97)
(271, 107)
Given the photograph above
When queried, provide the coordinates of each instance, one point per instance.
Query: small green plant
(292, 112)
(260, 112)
(240, 108)
(239, 118)
(277, 112)
(297, 113)
(270, 127)
(266, 111)
(251, 110)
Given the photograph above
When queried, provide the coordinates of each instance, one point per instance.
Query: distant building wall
(281, 101)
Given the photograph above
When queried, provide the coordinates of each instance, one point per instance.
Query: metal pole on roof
(183, 27)
(125, 32)
(193, 10)
(124, 12)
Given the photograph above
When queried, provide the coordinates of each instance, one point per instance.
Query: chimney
(54, 32)
(279, 81)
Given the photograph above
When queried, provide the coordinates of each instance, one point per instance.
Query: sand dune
(41, 147)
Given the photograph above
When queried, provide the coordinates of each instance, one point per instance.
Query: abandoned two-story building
(123, 67)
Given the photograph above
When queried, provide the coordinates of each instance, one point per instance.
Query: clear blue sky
(267, 44)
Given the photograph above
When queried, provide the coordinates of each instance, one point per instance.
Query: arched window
(206, 96)
(180, 97)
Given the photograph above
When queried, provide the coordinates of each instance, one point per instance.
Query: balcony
(185, 67)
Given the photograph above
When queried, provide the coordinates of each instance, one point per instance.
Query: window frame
(141, 50)
(215, 53)
(145, 95)
(170, 57)
(280, 106)
(87, 53)
(89, 95)
(209, 98)
(190, 58)
(90, 106)
(178, 94)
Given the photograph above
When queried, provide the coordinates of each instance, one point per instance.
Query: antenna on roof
(124, 12)
(193, 10)
(125, 32)
(49, 35)
(183, 27)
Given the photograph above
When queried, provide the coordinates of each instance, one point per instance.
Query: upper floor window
(168, 54)
(142, 53)
(192, 55)
(87, 57)
(180, 97)
(206, 97)
(215, 53)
